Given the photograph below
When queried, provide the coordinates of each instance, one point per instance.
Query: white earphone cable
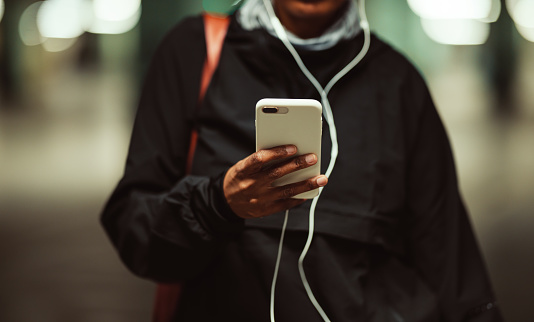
(327, 110)
(277, 265)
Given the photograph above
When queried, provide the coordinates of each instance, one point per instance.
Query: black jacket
(392, 242)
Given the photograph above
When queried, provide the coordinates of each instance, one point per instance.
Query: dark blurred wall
(157, 19)
(10, 47)
(499, 62)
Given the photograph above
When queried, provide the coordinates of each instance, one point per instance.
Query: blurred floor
(60, 159)
(58, 164)
(495, 162)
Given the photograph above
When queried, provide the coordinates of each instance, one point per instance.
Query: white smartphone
(281, 121)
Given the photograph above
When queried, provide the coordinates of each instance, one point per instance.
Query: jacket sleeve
(442, 246)
(167, 225)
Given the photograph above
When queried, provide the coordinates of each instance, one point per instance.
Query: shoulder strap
(215, 27)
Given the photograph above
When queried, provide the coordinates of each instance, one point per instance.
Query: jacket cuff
(220, 204)
(218, 218)
(195, 211)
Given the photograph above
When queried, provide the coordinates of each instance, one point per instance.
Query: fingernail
(321, 181)
(311, 158)
(290, 149)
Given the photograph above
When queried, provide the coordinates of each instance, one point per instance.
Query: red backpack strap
(215, 27)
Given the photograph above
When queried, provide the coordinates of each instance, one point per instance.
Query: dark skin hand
(248, 184)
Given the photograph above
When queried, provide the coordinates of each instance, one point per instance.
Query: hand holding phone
(258, 185)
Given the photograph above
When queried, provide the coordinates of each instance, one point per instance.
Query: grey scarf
(253, 15)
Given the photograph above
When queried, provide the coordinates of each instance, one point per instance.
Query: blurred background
(70, 72)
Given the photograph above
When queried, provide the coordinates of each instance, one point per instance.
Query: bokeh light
(494, 12)
(526, 32)
(456, 22)
(456, 31)
(57, 23)
(61, 18)
(28, 30)
(108, 22)
(523, 13)
(451, 9)
(115, 10)
(58, 44)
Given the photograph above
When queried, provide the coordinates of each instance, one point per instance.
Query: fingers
(280, 198)
(291, 190)
(248, 186)
(257, 160)
(285, 193)
(292, 165)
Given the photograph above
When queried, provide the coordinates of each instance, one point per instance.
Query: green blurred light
(221, 6)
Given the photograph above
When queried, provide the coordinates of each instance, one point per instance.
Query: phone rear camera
(270, 110)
